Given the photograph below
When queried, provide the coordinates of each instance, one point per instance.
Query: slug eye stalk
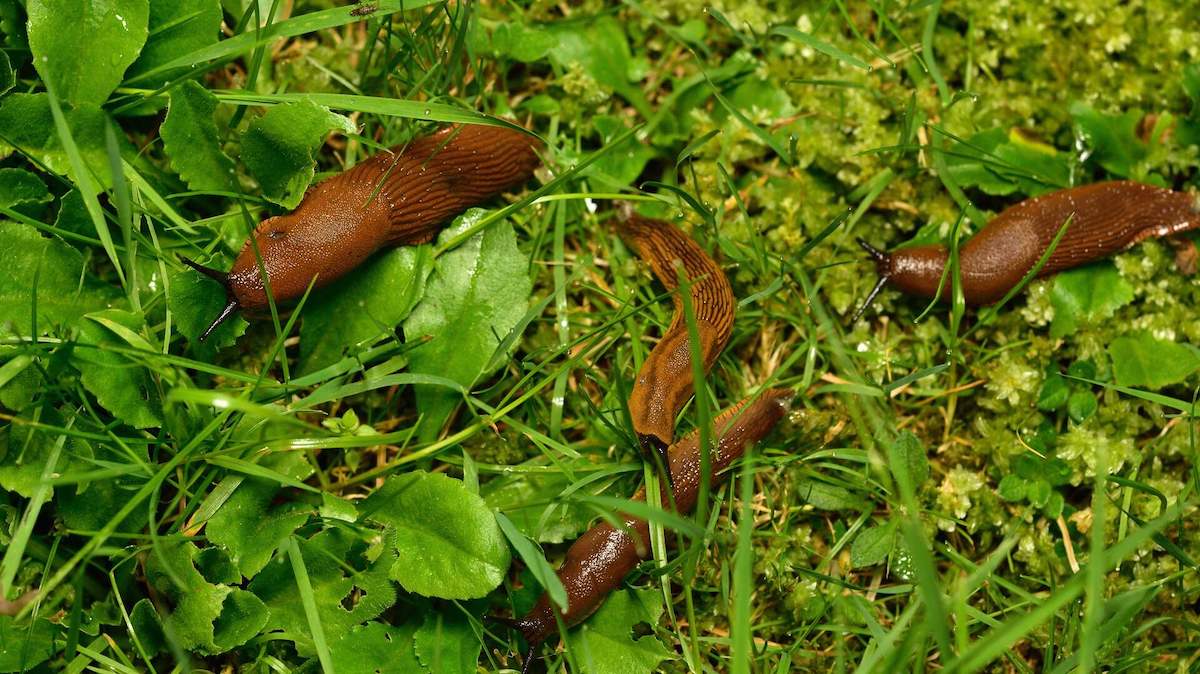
(881, 266)
(231, 304)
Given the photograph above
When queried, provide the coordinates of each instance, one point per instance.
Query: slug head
(915, 271)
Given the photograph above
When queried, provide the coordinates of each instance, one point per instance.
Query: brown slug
(664, 383)
(1105, 218)
(600, 559)
(399, 197)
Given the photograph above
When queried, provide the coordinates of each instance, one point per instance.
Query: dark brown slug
(399, 197)
(665, 382)
(600, 559)
(1105, 218)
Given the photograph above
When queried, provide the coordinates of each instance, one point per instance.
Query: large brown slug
(599, 560)
(399, 197)
(1105, 218)
(665, 382)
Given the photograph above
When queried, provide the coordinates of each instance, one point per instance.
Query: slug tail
(231, 305)
(883, 267)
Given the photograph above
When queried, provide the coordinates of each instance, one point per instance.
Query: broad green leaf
(446, 644)
(21, 648)
(447, 540)
(1113, 139)
(20, 187)
(30, 262)
(122, 385)
(177, 28)
(90, 505)
(1086, 295)
(600, 48)
(206, 618)
(363, 649)
(872, 545)
(522, 42)
(148, 627)
(366, 304)
(605, 643)
(1141, 360)
(279, 149)
(1002, 162)
(477, 294)
(526, 497)
(191, 140)
(195, 300)
(81, 48)
(343, 601)
(255, 520)
(27, 123)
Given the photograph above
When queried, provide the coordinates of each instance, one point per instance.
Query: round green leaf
(81, 48)
(447, 541)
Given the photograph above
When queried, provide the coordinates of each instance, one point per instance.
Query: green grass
(183, 506)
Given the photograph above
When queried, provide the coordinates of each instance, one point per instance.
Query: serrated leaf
(28, 124)
(446, 644)
(206, 618)
(872, 545)
(252, 523)
(1038, 492)
(19, 187)
(191, 140)
(1143, 361)
(477, 293)
(1054, 505)
(123, 386)
(21, 648)
(363, 305)
(81, 48)
(1086, 295)
(343, 601)
(280, 148)
(64, 291)
(448, 543)
(195, 300)
(363, 649)
(605, 644)
(1113, 139)
(177, 27)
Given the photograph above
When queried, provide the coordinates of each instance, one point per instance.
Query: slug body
(1105, 218)
(599, 560)
(399, 197)
(665, 382)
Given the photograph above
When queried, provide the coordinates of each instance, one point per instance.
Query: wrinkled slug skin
(664, 384)
(399, 197)
(1108, 217)
(600, 559)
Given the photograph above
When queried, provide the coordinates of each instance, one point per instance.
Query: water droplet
(678, 214)
(427, 111)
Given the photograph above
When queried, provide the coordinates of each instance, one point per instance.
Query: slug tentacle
(665, 382)
(231, 302)
(600, 559)
(399, 197)
(1101, 219)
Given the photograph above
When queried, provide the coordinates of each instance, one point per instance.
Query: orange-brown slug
(600, 559)
(399, 197)
(665, 381)
(1104, 218)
